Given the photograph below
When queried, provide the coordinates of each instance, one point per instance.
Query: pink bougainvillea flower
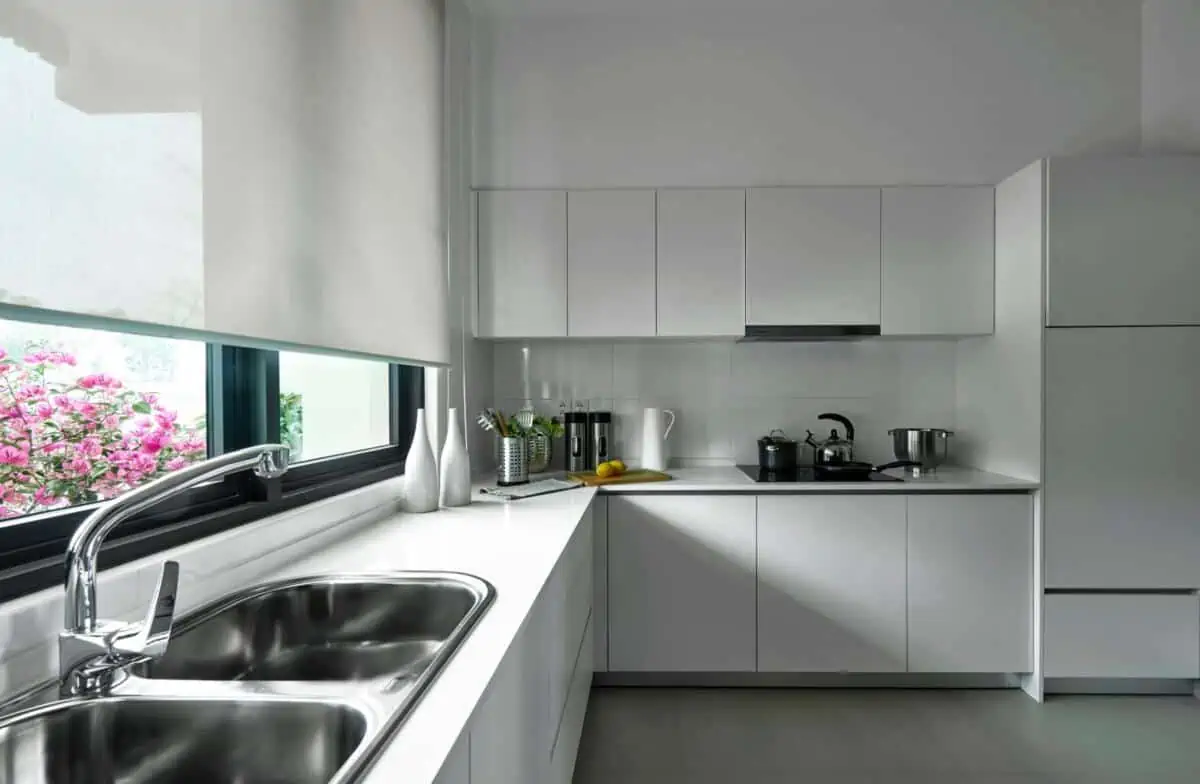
(150, 397)
(3, 353)
(5, 369)
(79, 466)
(176, 463)
(61, 402)
(99, 381)
(43, 497)
(44, 410)
(90, 447)
(111, 422)
(54, 446)
(165, 419)
(144, 463)
(85, 409)
(11, 455)
(36, 357)
(153, 442)
(29, 392)
(191, 445)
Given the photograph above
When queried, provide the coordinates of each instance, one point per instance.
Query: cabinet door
(457, 767)
(610, 264)
(1123, 242)
(831, 584)
(812, 256)
(1122, 500)
(681, 583)
(970, 583)
(509, 731)
(701, 269)
(938, 261)
(1122, 636)
(522, 248)
(600, 582)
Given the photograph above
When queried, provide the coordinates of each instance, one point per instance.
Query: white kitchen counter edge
(515, 547)
(730, 479)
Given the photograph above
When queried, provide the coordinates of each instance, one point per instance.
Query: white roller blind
(267, 172)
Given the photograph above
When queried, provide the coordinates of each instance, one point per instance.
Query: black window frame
(242, 410)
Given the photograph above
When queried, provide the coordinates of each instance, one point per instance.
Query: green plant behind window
(291, 423)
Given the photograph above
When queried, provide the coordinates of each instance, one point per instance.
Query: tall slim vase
(455, 467)
(420, 471)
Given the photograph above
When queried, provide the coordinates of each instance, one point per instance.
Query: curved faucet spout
(84, 635)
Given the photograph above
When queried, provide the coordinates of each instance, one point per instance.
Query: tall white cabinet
(1123, 241)
(938, 264)
(831, 583)
(521, 242)
(610, 264)
(812, 256)
(701, 262)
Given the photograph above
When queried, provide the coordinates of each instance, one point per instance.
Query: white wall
(999, 377)
(856, 91)
(726, 395)
(1171, 75)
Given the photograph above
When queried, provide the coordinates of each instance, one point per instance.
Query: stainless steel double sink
(293, 681)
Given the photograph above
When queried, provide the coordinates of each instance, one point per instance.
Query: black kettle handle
(846, 423)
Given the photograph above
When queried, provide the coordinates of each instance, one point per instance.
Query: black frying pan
(856, 471)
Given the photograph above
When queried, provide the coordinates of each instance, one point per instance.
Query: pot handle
(670, 424)
(897, 464)
(846, 423)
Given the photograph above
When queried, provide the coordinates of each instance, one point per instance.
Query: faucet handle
(150, 637)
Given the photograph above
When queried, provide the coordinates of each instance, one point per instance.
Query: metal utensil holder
(512, 465)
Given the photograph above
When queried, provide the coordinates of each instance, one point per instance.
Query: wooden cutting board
(627, 478)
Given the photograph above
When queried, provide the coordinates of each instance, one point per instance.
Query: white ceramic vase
(420, 471)
(455, 467)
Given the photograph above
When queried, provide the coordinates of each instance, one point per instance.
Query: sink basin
(147, 740)
(325, 629)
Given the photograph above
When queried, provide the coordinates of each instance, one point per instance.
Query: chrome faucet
(92, 652)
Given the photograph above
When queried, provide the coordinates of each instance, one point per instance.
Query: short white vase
(420, 471)
(455, 466)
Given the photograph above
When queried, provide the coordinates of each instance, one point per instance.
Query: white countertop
(729, 479)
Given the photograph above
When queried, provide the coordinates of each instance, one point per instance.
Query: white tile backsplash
(726, 394)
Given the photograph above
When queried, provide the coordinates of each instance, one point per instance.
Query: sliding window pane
(86, 415)
(332, 405)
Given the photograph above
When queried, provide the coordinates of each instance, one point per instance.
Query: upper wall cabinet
(522, 251)
(938, 260)
(812, 256)
(610, 264)
(701, 262)
(1123, 244)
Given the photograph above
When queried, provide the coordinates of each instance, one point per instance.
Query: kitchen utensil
(576, 425)
(513, 466)
(485, 420)
(855, 471)
(541, 450)
(526, 415)
(928, 446)
(777, 453)
(654, 438)
(629, 477)
(834, 450)
(600, 435)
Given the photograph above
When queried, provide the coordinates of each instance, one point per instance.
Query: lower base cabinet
(970, 583)
(527, 727)
(831, 583)
(1122, 636)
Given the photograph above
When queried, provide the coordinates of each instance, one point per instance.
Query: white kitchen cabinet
(568, 595)
(701, 269)
(1122, 504)
(457, 767)
(510, 730)
(831, 583)
(681, 583)
(1123, 242)
(1122, 636)
(970, 583)
(522, 248)
(570, 730)
(812, 256)
(610, 264)
(600, 582)
(938, 265)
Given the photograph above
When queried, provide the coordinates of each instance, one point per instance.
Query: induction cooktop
(807, 474)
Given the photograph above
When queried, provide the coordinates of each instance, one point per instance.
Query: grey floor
(752, 736)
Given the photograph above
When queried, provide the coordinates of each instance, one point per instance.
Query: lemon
(617, 464)
(605, 470)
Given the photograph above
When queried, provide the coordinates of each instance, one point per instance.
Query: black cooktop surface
(807, 474)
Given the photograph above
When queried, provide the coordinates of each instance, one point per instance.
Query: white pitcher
(654, 438)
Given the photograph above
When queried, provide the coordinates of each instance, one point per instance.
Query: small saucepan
(855, 471)
(777, 453)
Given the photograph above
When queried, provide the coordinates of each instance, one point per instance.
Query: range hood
(799, 333)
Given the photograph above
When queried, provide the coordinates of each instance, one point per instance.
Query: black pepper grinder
(576, 425)
(600, 433)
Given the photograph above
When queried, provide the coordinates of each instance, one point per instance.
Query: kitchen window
(88, 414)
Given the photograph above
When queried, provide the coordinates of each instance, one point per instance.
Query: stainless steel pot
(928, 446)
